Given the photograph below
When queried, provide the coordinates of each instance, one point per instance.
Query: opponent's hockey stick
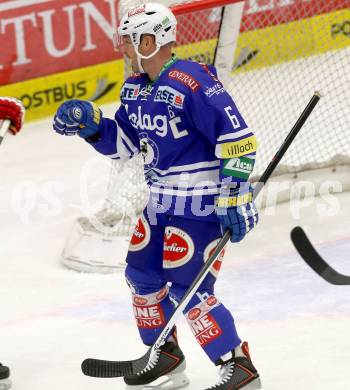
(4, 126)
(110, 369)
(308, 252)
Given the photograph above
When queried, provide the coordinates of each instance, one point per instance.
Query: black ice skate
(238, 373)
(167, 373)
(4, 377)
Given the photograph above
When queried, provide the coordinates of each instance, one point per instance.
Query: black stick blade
(314, 260)
(114, 369)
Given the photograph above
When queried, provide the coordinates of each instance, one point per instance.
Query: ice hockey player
(198, 155)
(12, 109)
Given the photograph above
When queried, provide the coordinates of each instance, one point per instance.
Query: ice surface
(52, 318)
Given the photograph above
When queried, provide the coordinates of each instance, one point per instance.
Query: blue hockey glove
(78, 117)
(236, 211)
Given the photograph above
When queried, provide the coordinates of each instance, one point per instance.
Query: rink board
(101, 82)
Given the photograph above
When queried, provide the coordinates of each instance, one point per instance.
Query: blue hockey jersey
(190, 132)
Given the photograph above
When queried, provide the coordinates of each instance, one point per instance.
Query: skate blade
(254, 385)
(5, 384)
(166, 382)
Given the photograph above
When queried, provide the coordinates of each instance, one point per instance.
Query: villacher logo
(215, 269)
(178, 248)
(141, 235)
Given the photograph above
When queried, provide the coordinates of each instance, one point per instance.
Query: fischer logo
(185, 79)
(149, 317)
(169, 95)
(130, 91)
(205, 329)
(137, 11)
(215, 269)
(141, 235)
(178, 248)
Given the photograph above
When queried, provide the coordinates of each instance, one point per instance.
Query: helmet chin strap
(139, 64)
(140, 57)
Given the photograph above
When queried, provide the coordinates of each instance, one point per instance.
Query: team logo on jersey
(130, 91)
(214, 90)
(215, 269)
(178, 247)
(141, 235)
(157, 123)
(202, 323)
(170, 96)
(150, 151)
(185, 79)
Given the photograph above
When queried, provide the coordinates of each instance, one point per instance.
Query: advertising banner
(53, 50)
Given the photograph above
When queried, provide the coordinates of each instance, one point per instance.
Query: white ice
(298, 326)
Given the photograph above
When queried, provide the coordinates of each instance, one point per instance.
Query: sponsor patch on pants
(178, 247)
(202, 323)
(149, 317)
(147, 309)
(215, 269)
(141, 235)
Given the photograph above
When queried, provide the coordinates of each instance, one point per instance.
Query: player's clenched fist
(12, 109)
(236, 211)
(78, 117)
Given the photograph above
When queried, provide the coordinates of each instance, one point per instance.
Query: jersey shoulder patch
(132, 87)
(184, 72)
(195, 76)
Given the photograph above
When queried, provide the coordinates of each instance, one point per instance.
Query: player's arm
(113, 138)
(12, 109)
(235, 145)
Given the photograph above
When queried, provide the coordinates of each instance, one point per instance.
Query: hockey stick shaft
(287, 142)
(4, 127)
(223, 241)
(310, 255)
(103, 368)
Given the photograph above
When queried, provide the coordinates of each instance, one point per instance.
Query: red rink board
(45, 37)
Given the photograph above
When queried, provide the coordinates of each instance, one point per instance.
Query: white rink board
(52, 318)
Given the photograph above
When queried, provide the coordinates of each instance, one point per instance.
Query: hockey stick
(4, 126)
(308, 253)
(110, 369)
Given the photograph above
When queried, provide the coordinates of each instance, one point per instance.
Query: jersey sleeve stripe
(234, 136)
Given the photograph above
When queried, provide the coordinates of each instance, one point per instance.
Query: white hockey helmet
(150, 18)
